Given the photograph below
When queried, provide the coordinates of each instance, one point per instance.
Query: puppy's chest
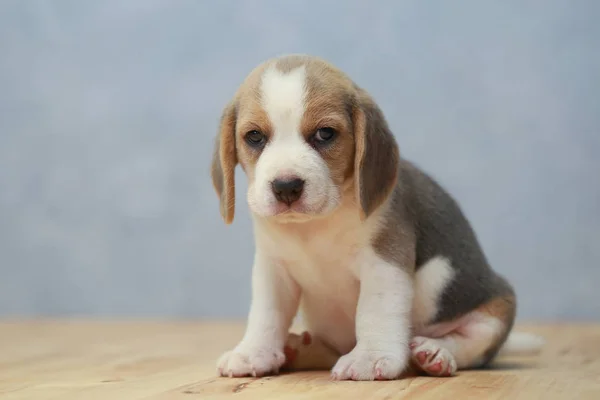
(326, 267)
(323, 261)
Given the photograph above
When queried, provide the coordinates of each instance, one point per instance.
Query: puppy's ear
(224, 161)
(377, 156)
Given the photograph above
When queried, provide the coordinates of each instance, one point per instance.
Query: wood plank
(176, 360)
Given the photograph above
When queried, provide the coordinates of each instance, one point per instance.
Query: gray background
(108, 111)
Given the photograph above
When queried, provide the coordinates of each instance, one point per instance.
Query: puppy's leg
(275, 298)
(471, 342)
(382, 323)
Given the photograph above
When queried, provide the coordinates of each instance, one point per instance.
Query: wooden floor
(143, 360)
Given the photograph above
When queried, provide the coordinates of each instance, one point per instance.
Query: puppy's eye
(324, 135)
(255, 138)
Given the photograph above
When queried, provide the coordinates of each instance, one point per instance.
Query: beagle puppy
(380, 260)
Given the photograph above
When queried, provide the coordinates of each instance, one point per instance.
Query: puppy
(379, 258)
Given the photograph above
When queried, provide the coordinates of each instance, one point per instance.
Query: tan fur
(327, 106)
(223, 164)
(397, 234)
(251, 117)
(504, 309)
(377, 155)
(240, 116)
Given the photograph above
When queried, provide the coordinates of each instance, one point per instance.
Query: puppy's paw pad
(290, 356)
(431, 358)
(364, 365)
(257, 362)
(293, 345)
(295, 341)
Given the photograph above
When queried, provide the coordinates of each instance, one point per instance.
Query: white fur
(522, 343)
(287, 154)
(382, 322)
(430, 281)
(322, 257)
(275, 298)
(351, 298)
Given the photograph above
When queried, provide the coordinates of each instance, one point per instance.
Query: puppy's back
(442, 230)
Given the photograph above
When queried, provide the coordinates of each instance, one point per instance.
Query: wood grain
(176, 360)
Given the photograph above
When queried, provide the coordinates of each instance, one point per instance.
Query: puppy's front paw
(367, 365)
(250, 362)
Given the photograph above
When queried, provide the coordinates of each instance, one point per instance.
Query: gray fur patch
(421, 206)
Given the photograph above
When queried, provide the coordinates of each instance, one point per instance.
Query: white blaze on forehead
(282, 97)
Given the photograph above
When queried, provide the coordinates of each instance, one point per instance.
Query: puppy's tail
(522, 344)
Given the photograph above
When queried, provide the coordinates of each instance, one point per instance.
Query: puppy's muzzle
(287, 190)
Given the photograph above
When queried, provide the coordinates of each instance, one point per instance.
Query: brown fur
(377, 155)
(328, 105)
(251, 117)
(504, 309)
(396, 240)
(224, 162)
(238, 118)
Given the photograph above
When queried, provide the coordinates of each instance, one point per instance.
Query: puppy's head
(308, 138)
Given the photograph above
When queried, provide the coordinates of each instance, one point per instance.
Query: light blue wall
(108, 111)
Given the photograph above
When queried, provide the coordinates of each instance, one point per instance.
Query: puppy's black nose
(287, 190)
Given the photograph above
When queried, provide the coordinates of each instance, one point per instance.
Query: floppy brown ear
(377, 156)
(223, 164)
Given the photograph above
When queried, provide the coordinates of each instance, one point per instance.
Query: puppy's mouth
(298, 212)
(297, 208)
(291, 217)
